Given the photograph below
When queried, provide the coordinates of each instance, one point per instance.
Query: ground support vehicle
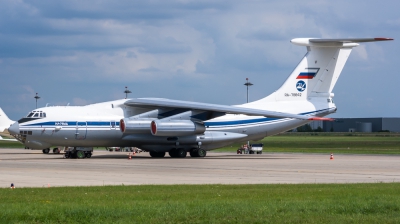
(256, 148)
(78, 152)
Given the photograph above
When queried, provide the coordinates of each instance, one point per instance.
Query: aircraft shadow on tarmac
(234, 156)
(124, 156)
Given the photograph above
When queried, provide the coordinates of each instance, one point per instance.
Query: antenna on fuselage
(126, 92)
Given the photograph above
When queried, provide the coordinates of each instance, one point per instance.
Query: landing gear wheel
(56, 151)
(201, 153)
(181, 153)
(46, 151)
(173, 153)
(157, 154)
(88, 155)
(194, 153)
(80, 154)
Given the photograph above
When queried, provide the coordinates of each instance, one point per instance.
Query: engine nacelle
(176, 128)
(136, 126)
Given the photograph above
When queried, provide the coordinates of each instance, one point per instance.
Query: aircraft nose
(14, 129)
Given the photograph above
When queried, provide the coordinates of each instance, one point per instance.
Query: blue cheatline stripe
(73, 123)
(107, 124)
(252, 121)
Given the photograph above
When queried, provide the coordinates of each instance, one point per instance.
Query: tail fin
(5, 122)
(318, 71)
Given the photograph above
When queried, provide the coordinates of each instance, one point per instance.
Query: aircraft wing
(224, 109)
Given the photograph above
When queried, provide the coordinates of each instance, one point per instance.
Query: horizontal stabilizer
(345, 42)
(350, 40)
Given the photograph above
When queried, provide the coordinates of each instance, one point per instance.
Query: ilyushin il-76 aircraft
(160, 125)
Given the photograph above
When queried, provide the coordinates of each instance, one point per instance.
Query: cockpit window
(36, 114)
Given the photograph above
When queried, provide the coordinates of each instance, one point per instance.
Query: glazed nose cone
(14, 129)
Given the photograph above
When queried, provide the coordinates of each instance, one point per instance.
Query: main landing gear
(180, 153)
(157, 154)
(198, 152)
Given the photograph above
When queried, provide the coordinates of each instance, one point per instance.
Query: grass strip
(311, 143)
(283, 203)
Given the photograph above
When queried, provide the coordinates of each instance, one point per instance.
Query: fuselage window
(30, 115)
(36, 115)
(44, 114)
(41, 115)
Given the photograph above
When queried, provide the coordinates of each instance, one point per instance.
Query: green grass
(304, 203)
(9, 144)
(325, 143)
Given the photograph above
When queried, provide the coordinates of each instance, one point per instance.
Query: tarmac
(32, 168)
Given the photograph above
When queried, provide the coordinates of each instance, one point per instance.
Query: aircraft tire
(181, 153)
(173, 153)
(80, 154)
(201, 153)
(194, 153)
(55, 151)
(88, 155)
(46, 151)
(157, 154)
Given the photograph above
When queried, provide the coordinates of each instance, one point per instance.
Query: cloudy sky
(82, 52)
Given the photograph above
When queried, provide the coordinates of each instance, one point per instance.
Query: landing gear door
(81, 130)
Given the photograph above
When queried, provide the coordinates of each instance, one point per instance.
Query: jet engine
(137, 126)
(176, 128)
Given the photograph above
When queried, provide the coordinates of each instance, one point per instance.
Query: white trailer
(256, 148)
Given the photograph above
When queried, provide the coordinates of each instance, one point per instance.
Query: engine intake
(176, 128)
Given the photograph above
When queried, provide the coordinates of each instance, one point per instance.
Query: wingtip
(382, 38)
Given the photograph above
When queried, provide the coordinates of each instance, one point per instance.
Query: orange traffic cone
(331, 156)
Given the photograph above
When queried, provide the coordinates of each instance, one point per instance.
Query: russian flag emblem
(308, 73)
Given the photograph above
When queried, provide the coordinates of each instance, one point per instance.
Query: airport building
(376, 124)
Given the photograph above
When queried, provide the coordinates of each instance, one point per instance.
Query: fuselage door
(81, 130)
(113, 125)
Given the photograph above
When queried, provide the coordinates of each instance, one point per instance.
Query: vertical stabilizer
(319, 70)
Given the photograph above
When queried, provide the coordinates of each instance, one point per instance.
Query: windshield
(36, 114)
